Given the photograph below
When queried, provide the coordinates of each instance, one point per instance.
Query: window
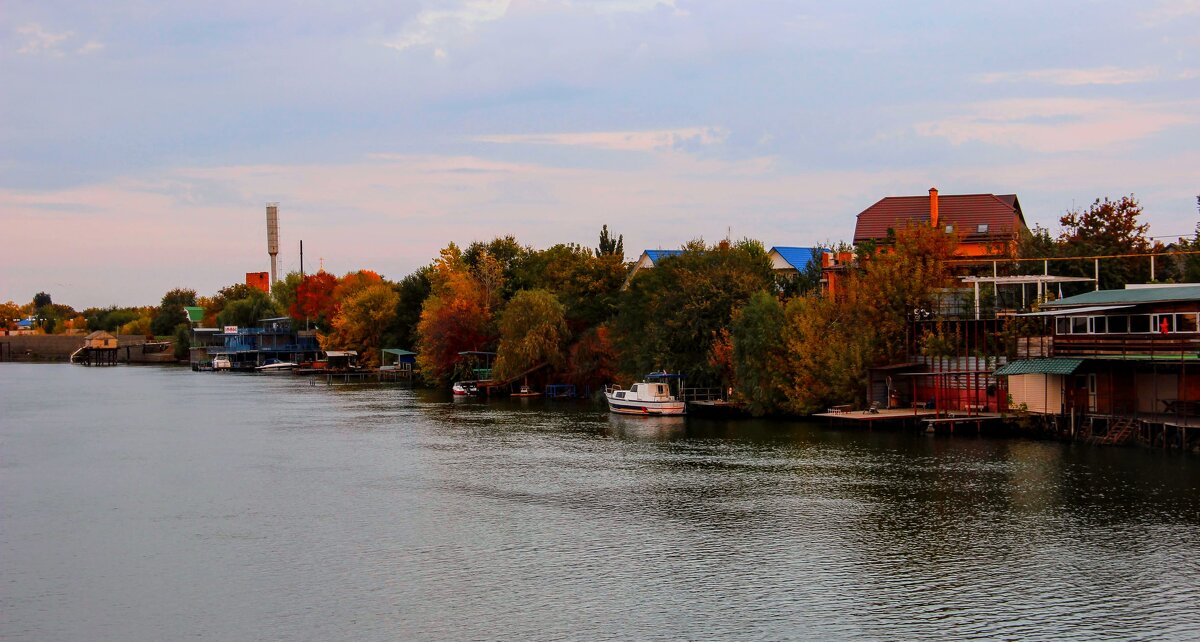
(1186, 322)
(982, 228)
(1139, 323)
(1118, 324)
(1163, 323)
(1098, 325)
(1062, 325)
(1079, 325)
(949, 229)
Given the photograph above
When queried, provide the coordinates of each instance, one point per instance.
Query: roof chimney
(933, 207)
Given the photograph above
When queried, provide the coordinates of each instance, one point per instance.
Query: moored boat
(222, 362)
(644, 398)
(278, 367)
(464, 388)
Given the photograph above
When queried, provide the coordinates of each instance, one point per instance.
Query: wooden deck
(931, 419)
(884, 415)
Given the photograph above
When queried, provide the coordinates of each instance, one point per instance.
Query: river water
(160, 504)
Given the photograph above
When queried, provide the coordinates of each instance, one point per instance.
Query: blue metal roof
(798, 257)
(657, 255)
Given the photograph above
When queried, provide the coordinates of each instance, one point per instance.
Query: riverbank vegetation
(716, 313)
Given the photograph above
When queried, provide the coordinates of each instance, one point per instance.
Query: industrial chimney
(933, 207)
(273, 237)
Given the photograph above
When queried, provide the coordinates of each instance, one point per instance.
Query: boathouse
(272, 340)
(1122, 362)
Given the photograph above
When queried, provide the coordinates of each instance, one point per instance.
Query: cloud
(436, 26)
(440, 28)
(639, 141)
(1073, 77)
(1059, 124)
(1168, 11)
(90, 47)
(38, 41)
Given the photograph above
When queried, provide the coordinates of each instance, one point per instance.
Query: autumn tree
(830, 343)
(455, 317)
(908, 276)
(592, 359)
(10, 314)
(314, 299)
(533, 331)
(361, 321)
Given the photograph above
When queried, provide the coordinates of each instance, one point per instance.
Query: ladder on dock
(1120, 431)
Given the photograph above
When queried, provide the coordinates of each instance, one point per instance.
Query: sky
(140, 141)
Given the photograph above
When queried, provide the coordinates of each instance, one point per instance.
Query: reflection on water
(147, 503)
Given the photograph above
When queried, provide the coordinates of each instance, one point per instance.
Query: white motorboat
(277, 367)
(464, 388)
(222, 362)
(644, 398)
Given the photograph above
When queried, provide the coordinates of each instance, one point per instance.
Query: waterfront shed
(101, 340)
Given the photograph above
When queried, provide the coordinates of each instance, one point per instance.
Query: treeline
(716, 313)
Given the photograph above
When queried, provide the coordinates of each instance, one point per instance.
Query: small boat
(526, 392)
(464, 388)
(644, 398)
(278, 367)
(222, 362)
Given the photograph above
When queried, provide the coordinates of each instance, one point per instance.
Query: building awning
(1086, 310)
(341, 353)
(1054, 365)
(399, 352)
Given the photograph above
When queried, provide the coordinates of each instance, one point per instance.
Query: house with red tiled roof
(986, 224)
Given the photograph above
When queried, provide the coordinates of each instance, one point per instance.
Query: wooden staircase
(1121, 430)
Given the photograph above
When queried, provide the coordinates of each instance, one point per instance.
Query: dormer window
(982, 228)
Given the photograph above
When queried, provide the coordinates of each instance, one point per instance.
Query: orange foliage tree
(314, 299)
(457, 315)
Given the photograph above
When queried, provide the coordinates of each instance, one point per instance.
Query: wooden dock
(931, 419)
(890, 416)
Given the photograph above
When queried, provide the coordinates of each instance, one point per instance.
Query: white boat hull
(657, 408)
(644, 399)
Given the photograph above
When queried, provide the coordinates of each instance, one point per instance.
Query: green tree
(1107, 228)
(671, 315)
(182, 342)
(533, 330)
(609, 246)
(411, 291)
(249, 310)
(171, 311)
(284, 290)
(758, 353)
